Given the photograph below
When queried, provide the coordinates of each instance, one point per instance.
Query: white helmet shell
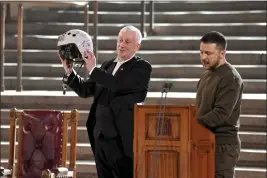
(78, 37)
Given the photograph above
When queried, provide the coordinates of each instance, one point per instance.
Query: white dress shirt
(119, 63)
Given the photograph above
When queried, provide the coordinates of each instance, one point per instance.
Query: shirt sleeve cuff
(91, 71)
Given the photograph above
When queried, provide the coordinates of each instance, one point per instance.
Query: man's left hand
(89, 59)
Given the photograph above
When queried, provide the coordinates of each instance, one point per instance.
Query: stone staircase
(173, 51)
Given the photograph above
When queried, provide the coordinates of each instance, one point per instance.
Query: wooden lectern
(171, 144)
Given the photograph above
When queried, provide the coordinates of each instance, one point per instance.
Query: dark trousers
(111, 162)
(226, 157)
(110, 159)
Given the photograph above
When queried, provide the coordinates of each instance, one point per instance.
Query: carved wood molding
(14, 115)
(203, 146)
(165, 127)
(74, 122)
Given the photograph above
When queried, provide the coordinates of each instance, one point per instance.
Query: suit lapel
(126, 66)
(105, 67)
(107, 64)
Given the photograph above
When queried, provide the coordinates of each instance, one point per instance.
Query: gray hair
(134, 29)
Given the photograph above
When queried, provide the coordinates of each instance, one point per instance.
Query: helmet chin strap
(65, 78)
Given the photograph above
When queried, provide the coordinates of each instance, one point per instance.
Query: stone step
(225, 16)
(254, 145)
(257, 138)
(255, 123)
(252, 157)
(83, 151)
(250, 172)
(228, 29)
(253, 139)
(248, 157)
(149, 43)
(258, 122)
(247, 122)
(179, 84)
(158, 71)
(86, 169)
(175, 6)
(56, 100)
(154, 57)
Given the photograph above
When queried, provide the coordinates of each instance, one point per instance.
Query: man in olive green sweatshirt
(219, 96)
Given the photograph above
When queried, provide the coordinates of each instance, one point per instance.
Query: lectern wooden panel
(171, 144)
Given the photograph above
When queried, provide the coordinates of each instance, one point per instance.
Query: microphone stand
(161, 116)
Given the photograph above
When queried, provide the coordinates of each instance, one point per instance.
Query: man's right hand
(67, 66)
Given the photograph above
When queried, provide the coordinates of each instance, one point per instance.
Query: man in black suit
(116, 86)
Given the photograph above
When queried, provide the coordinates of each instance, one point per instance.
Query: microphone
(166, 87)
(170, 85)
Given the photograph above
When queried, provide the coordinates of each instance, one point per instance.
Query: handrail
(95, 6)
(19, 47)
(143, 18)
(8, 12)
(152, 17)
(2, 44)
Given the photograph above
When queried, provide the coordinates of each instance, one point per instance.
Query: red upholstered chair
(42, 144)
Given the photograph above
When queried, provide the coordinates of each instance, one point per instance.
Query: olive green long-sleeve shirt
(219, 98)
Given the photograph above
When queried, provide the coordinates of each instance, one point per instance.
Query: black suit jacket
(130, 85)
